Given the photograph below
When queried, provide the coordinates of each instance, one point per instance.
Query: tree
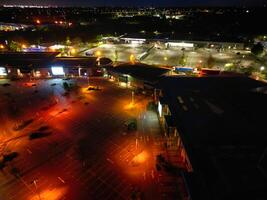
(116, 55)
(68, 42)
(66, 86)
(14, 46)
(77, 42)
(210, 61)
(247, 70)
(182, 60)
(257, 49)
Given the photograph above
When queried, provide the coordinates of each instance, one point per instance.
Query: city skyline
(137, 3)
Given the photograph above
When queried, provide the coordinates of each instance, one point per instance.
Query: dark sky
(137, 2)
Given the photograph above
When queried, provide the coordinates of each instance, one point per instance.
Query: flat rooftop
(140, 71)
(46, 59)
(222, 124)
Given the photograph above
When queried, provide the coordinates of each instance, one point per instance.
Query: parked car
(131, 124)
(9, 157)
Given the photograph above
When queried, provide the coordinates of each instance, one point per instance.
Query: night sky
(137, 2)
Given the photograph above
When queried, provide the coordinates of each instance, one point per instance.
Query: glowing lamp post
(132, 97)
(98, 53)
(132, 58)
(73, 51)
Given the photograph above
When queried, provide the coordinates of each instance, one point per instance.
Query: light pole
(132, 97)
(35, 184)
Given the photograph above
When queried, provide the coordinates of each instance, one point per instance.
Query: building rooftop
(222, 125)
(46, 59)
(141, 71)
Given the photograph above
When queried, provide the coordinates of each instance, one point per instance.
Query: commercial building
(46, 64)
(218, 127)
(137, 75)
(178, 43)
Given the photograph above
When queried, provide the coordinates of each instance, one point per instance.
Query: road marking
(29, 151)
(59, 178)
(152, 174)
(144, 174)
(111, 161)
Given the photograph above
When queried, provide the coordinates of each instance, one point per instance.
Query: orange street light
(38, 21)
(73, 51)
(24, 46)
(2, 46)
(132, 58)
(98, 53)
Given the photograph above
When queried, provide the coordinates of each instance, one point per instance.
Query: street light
(262, 68)
(38, 193)
(73, 51)
(98, 53)
(132, 58)
(133, 97)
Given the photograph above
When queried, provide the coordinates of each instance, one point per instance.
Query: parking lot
(87, 154)
(171, 56)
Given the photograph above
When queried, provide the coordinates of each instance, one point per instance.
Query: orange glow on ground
(29, 84)
(140, 158)
(129, 106)
(85, 90)
(54, 194)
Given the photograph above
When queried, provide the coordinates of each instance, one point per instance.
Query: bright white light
(57, 47)
(3, 71)
(262, 68)
(180, 44)
(57, 70)
(160, 109)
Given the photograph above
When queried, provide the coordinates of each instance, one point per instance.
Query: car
(36, 135)
(89, 53)
(6, 84)
(9, 157)
(2, 165)
(43, 128)
(131, 124)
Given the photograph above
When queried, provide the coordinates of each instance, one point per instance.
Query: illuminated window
(160, 109)
(3, 71)
(57, 71)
